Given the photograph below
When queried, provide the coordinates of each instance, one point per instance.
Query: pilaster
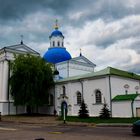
(5, 81)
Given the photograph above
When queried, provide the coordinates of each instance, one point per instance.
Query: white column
(1, 77)
(5, 81)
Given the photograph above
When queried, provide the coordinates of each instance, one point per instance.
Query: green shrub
(105, 113)
(83, 112)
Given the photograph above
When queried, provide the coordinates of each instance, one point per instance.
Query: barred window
(79, 98)
(98, 96)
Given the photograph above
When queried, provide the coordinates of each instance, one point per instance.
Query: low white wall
(46, 110)
(122, 109)
(8, 108)
(136, 105)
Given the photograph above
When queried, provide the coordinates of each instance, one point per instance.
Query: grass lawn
(98, 120)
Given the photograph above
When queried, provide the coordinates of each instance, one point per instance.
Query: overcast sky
(107, 31)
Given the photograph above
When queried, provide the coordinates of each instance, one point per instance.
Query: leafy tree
(105, 113)
(30, 81)
(83, 112)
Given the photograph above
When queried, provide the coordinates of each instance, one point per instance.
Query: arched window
(64, 90)
(79, 98)
(98, 96)
(58, 43)
(53, 43)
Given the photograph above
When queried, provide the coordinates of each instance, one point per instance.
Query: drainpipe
(82, 89)
(54, 102)
(110, 95)
(132, 103)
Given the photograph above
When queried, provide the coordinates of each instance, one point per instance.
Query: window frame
(79, 97)
(98, 97)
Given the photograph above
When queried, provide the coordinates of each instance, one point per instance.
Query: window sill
(97, 104)
(76, 104)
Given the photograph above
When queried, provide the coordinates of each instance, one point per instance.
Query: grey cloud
(17, 9)
(105, 9)
(129, 29)
(136, 46)
(134, 68)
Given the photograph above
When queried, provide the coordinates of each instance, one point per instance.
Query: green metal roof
(104, 72)
(125, 97)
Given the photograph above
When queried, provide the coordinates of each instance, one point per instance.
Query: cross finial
(56, 24)
(21, 39)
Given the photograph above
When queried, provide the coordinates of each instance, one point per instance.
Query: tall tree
(105, 113)
(30, 81)
(83, 112)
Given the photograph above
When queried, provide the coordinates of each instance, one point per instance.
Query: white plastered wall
(68, 69)
(89, 87)
(117, 85)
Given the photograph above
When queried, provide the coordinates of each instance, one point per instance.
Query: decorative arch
(126, 87)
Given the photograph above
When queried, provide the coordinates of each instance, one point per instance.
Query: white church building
(75, 80)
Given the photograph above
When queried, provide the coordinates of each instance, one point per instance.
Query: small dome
(56, 55)
(56, 33)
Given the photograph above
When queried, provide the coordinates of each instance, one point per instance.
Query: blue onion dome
(56, 55)
(56, 32)
(56, 52)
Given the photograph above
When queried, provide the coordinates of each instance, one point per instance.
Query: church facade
(75, 80)
(6, 57)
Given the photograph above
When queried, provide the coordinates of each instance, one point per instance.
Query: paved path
(49, 128)
(21, 131)
(43, 120)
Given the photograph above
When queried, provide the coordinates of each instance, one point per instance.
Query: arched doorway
(64, 106)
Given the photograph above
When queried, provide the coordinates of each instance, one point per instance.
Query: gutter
(132, 104)
(82, 89)
(110, 95)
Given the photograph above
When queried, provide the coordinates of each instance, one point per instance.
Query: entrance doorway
(64, 106)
